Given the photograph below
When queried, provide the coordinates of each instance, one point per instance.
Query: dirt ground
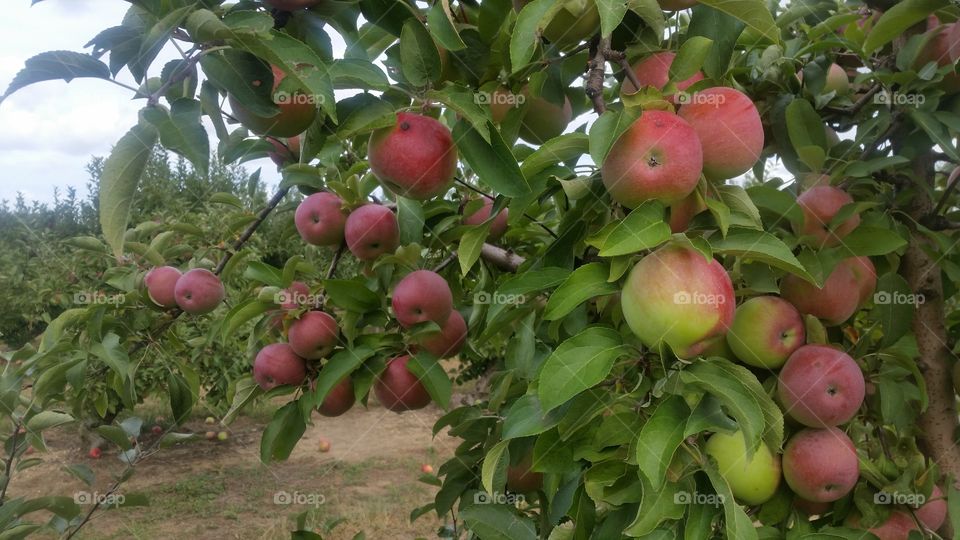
(367, 482)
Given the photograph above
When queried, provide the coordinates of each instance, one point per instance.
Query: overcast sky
(49, 131)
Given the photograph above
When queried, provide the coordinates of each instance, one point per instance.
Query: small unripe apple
(323, 446)
(414, 158)
(320, 219)
(729, 128)
(821, 465)
(160, 283)
(819, 205)
(752, 482)
(276, 365)
(765, 331)
(499, 224)
(422, 296)
(314, 335)
(371, 231)
(654, 71)
(820, 386)
(210, 421)
(199, 291)
(659, 157)
(222, 436)
(398, 389)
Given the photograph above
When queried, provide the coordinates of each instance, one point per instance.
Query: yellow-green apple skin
(543, 120)
(765, 331)
(717, 346)
(752, 482)
(837, 81)
(678, 297)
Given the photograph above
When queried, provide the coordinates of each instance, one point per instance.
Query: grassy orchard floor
(213, 489)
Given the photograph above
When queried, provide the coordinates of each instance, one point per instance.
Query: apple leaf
(722, 30)
(643, 228)
(899, 18)
(463, 100)
(657, 506)
(611, 14)
(494, 469)
(869, 241)
(763, 247)
(533, 281)
(526, 417)
(420, 59)
(339, 366)
(441, 26)
(282, 433)
(584, 283)
(431, 374)
(471, 243)
(498, 522)
(608, 128)
(690, 57)
(411, 218)
(660, 437)
(118, 183)
(569, 146)
(493, 162)
(46, 420)
(57, 65)
(351, 295)
(738, 523)
(753, 13)
(526, 32)
(245, 390)
(577, 364)
(240, 314)
(181, 131)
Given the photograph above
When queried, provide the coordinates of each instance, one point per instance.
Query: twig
(8, 463)
(620, 58)
(526, 215)
(951, 185)
(333, 264)
(446, 262)
(252, 228)
(501, 258)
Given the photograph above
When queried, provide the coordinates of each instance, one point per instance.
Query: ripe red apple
(834, 303)
(766, 330)
(294, 118)
(320, 219)
(654, 71)
(294, 296)
(415, 158)
(199, 291)
(729, 128)
(820, 465)
(820, 386)
(659, 157)
(866, 275)
(277, 364)
(677, 5)
(398, 389)
(371, 231)
(314, 335)
(426, 468)
(543, 119)
(95, 453)
(449, 340)
(210, 435)
(422, 296)
(293, 5)
(499, 224)
(942, 48)
(819, 205)
(683, 212)
(339, 399)
(323, 446)
(677, 296)
(897, 526)
(160, 283)
(933, 512)
(520, 479)
(285, 150)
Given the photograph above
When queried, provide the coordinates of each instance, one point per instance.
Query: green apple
(752, 482)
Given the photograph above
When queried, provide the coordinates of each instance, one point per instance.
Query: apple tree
(700, 253)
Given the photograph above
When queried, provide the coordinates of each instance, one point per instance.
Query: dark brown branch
(501, 258)
(620, 58)
(596, 68)
(951, 185)
(252, 228)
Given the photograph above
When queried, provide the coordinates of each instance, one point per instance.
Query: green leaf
(805, 129)
(584, 283)
(441, 25)
(116, 435)
(497, 522)
(607, 129)
(463, 100)
(493, 162)
(244, 392)
(420, 59)
(282, 434)
(737, 200)
(656, 507)
(119, 180)
(182, 397)
(351, 295)
(611, 14)
(494, 465)
(234, 72)
(57, 65)
(363, 113)
(738, 523)
(181, 131)
(896, 20)
(353, 73)
(526, 417)
(753, 13)
(46, 420)
(660, 437)
(763, 247)
(526, 32)
(690, 58)
(471, 243)
(340, 366)
(644, 228)
(782, 203)
(937, 132)
(869, 241)
(241, 314)
(411, 220)
(431, 374)
(577, 364)
(896, 304)
(720, 28)
(533, 281)
(567, 147)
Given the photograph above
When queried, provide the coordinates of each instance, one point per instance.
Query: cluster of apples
(197, 291)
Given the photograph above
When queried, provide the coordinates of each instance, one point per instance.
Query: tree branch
(951, 185)
(596, 69)
(333, 264)
(252, 228)
(501, 258)
(8, 463)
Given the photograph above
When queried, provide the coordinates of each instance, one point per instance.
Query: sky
(50, 130)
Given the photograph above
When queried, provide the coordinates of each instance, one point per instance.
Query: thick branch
(951, 185)
(939, 422)
(501, 258)
(596, 69)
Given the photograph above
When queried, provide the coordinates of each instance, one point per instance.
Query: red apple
(426, 469)
(320, 219)
(314, 335)
(683, 212)
(339, 399)
(449, 340)
(294, 296)
(199, 291)
(294, 118)
(933, 512)
(371, 231)
(499, 224)
(415, 158)
(821, 465)
(323, 446)
(866, 275)
(277, 364)
(729, 128)
(157, 430)
(398, 389)
(654, 71)
(422, 296)
(820, 386)
(160, 283)
(819, 205)
(95, 453)
(834, 303)
(520, 479)
(659, 157)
